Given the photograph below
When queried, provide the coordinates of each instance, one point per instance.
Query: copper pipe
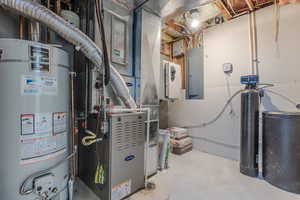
(72, 123)
(21, 27)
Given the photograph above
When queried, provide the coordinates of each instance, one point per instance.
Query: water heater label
(43, 124)
(27, 124)
(121, 191)
(39, 139)
(38, 85)
(60, 122)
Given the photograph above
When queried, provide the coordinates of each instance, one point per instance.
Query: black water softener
(249, 127)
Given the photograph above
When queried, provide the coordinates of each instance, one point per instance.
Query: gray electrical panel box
(121, 154)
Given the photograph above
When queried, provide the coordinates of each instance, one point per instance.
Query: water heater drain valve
(44, 186)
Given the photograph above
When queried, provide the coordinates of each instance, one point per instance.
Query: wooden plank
(58, 7)
(166, 37)
(180, 60)
(177, 28)
(166, 49)
(224, 10)
(250, 4)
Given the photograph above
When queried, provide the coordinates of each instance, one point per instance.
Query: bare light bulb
(195, 23)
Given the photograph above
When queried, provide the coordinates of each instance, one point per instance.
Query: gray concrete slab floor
(200, 176)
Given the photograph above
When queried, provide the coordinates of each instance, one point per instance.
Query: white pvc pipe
(148, 110)
(254, 33)
(253, 44)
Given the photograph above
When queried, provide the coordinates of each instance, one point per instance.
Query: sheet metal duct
(73, 35)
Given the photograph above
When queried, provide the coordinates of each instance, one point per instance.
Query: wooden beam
(224, 10)
(166, 37)
(58, 7)
(250, 4)
(177, 28)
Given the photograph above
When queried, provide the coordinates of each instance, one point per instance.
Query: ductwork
(82, 42)
(177, 7)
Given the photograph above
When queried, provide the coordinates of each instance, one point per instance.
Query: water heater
(34, 122)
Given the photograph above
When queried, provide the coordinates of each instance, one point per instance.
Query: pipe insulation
(73, 35)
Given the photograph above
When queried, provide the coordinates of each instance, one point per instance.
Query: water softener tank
(281, 150)
(249, 132)
(34, 86)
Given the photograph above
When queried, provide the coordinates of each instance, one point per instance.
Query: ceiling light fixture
(195, 23)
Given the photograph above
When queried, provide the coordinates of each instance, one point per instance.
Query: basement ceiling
(179, 13)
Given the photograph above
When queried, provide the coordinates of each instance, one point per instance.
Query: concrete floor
(200, 176)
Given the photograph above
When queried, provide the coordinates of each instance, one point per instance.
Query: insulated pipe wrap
(73, 35)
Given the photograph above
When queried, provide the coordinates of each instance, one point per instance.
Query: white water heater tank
(34, 122)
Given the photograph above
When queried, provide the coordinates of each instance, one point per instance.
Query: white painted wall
(229, 42)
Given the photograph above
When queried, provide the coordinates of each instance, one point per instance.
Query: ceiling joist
(222, 7)
(250, 5)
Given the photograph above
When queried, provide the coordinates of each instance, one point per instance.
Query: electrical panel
(172, 80)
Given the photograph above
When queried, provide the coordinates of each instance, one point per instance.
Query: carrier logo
(129, 84)
(129, 158)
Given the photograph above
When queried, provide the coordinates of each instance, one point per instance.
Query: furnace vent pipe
(82, 42)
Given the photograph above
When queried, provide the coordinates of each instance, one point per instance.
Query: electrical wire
(228, 103)
(265, 85)
(101, 116)
(91, 139)
(284, 97)
(43, 172)
(219, 115)
(106, 61)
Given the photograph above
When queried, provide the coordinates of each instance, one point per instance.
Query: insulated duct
(82, 42)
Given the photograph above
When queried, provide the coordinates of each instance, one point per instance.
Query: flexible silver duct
(35, 29)
(82, 42)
